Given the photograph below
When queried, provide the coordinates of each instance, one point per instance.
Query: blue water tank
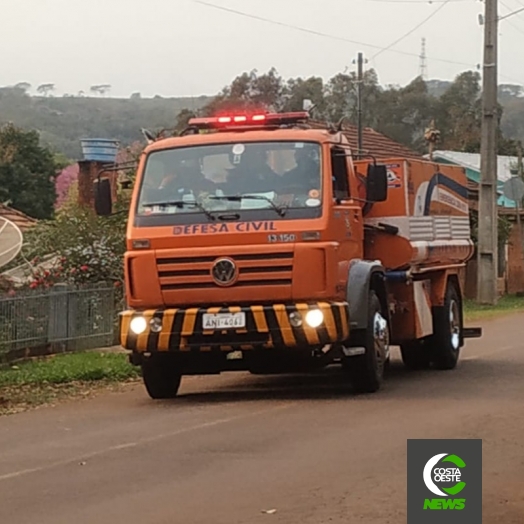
(99, 149)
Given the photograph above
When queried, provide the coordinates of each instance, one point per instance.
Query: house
(471, 163)
(20, 219)
(511, 258)
(373, 142)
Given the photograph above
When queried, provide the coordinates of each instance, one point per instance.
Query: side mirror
(103, 199)
(377, 183)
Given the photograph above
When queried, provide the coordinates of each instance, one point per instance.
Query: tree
(45, 89)
(23, 86)
(27, 172)
(182, 119)
(298, 89)
(341, 98)
(249, 91)
(101, 89)
(460, 114)
(403, 113)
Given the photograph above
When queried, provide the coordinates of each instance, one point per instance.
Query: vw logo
(224, 272)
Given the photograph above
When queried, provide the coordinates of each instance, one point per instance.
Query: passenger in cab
(251, 173)
(305, 176)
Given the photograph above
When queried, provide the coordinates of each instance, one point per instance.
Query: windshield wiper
(238, 198)
(182, 203)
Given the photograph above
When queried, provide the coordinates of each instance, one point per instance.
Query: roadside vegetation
(45, 381)
(79, 375)
(506, 305)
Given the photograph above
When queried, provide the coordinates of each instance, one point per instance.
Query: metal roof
(471, 162)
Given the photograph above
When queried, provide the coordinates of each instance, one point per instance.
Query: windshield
(272, 176)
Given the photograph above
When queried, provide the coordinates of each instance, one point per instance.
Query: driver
(187, 179)
(251, 174)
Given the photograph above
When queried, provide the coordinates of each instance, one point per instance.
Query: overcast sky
(181, 47)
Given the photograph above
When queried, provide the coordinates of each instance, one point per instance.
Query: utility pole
(360, 86)
(487, 274)
(360, 62)
(360, 76)
(519, 200)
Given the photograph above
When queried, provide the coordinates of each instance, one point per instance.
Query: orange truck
(256, 242)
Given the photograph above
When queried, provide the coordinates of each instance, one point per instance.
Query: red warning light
(268, 119)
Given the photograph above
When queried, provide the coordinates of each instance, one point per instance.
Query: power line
(515, 26)
(319, 33)
(405, 35)
(420, 1)
(334, 37)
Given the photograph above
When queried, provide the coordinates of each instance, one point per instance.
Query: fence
(57, 320)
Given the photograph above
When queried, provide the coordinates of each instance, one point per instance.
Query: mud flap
(472, 332)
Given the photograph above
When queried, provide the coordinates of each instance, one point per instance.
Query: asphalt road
(232, 448)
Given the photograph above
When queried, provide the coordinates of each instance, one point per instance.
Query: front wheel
(161, 378)
(366, 371)
(447, 327)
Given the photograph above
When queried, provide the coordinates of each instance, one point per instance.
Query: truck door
(347, 225)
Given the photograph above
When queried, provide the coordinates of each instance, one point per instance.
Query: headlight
(314, 318)
(138, 325)
(155, 324)
(295, 319)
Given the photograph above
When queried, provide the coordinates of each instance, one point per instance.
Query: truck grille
(259, 269)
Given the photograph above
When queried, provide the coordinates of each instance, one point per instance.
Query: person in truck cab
(186, 179)
(251, 173)
(305, 176)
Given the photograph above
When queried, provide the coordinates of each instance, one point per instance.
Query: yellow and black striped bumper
(266, 327)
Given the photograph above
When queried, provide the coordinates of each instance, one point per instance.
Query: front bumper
(266, 327)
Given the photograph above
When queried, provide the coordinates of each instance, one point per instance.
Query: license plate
(224, 321)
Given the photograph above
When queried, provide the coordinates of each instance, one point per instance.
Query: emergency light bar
(261, 119)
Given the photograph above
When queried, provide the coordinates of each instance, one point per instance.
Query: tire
(366, 371)
(415, 355)
(447, 327)
(161, 378)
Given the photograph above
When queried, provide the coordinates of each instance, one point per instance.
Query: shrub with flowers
(77, 248)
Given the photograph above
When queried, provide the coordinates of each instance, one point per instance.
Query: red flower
(84, 268)
(46, 273)
(117, 284)
(33, 285)
(12, 293)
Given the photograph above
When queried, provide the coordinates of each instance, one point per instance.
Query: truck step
(472, 332)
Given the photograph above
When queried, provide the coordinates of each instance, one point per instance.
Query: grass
(38, 382)
(45, 381)
(506, 305)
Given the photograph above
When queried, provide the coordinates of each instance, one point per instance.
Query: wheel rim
(381, 340)
(454, 325)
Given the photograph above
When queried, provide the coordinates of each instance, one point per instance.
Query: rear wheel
(415, 355)
(161, 378)
(366, 371)
(447, 327)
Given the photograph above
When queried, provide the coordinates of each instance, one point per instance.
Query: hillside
(63, 121)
